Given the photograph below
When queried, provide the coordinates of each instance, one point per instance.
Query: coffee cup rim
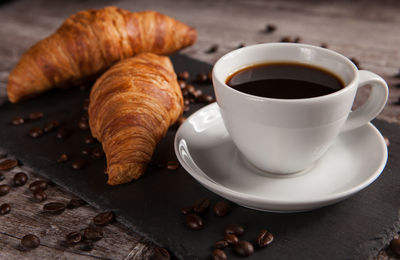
(228, 55)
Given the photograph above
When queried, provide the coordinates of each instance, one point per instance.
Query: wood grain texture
(367, 30)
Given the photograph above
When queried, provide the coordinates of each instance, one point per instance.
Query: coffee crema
(285, 80)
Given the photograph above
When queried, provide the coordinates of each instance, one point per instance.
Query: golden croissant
(91, 41)
(131, 107)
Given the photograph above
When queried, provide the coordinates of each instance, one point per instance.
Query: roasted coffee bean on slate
(222, 208)
(324, 45)
(4, 189)
(54, 207)
(51, 126)
(35, 116)
(184, 75)
(182, 84)
(187, 210)
(172, 165)
(186, 108)
(74, 238)
(83, 125)
(30, 241)
(89, 140)
(18, 121)
(5, 208)
(231, 238)
(8, 164)
(38, 185)
(63, 158)
(40, 195)
(20, 179)
(395, 246)
(86, 246)
(75, 203)
(221, 244)
(218, 254)
(234, 229)
(213, 48)
(36, 132)
(103, 219)
(78, 164)
(93, 233)
(264, 238)
(201, 78)
(201, 205)
(205, 99)
(241, 45)
(243, 248)
(193, 222)
(387, 142)
(270, 28)
(62, 133)
(2, 177)
(86, 151)
(98, 152)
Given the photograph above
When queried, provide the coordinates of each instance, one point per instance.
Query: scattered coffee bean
(38, 185)
(8, 164)
(197, 93)
(209, 76)
(218, 254)
(51, 126)
(297, 39)
(231, 238)
(2, 177)
(235, 229)
(356, 62)
(270, 28)
(324, 45)
(193, 222)
(104, 218)
(397, 75)
(190, 88)
(40, 195)
(183, 75)
(5, 209)
(201, 78)
(185, 92)
(86, 151)
(20, 179)
(205, 99)
(213, 48)
(182, 84)
(89, 140)
(201, 205)
(4, 189)
(83, 125)
(221, 244)
(63, 158)
(84, 117)
(18, 121)
(172, 165)
(78, 164)
(62, 133)
(187, 210)
(243, 248)
(98, 152)
(186, 102)
(85, 105)
(264, 238)
(180, 120)
(395, 246)
(74, 238)
(286, 39)
(397, 102)
(386, 140)
(36, 132)
(54, 207)
(241, 45)
(30, 241)
(222, 208)
(93, 233)
(86, 246)
(186, 108)
(75, 203)
(35, 116)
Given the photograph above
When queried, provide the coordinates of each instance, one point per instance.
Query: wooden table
(368, 31)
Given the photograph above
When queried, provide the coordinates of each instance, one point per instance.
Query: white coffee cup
(289, 135)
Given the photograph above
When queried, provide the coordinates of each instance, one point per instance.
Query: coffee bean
(190, 88)
(324, 45)
(183, 75)
(185, 92)
(63, 158)
(84, 117)
(2, 177)
(180, 120)
(196, 94)
(172, 165)
(18, 121)
(5, 209)
(35, 116)
(186, 210)
(243, 248)
(213, 48)
(201, 78)
(8, 164)
(93, 233)
(83, 125)
(75, 203)
(85, 105)
(286, 39)
(218, 254)
(74, 238)
(30, 241)
(36, 132)
(209, 76)
(387, 142)
(54, 207)
(103, 218)
(397, 102)
(62, 133)
(222, 208)
(20, 179)
(395, 246)
(86, 151)
(38, 185)
(4, 189)
(193, 222)
(186, 102)
(182, 84)
(356, 62)
(51, 126)
(89, 140)
(205, 99)
(98, 152)
(397, 75)
(186, 108)
(234, 229)
(201, 205)
(86, 246)
(241, 45)
(297, 39)
(221, 244)
(264, 238)
(231, 239)
(270, 28)
(40, 195)
(78, 164)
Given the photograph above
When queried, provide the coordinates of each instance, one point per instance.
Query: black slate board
(354, 228)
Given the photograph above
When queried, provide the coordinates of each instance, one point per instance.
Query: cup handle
(374, 104)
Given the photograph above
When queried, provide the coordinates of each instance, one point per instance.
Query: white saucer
(206, 151)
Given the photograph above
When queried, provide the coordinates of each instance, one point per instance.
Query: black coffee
(285, 81)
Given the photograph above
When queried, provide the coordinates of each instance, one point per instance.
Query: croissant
(131, 107)
(88, 43)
